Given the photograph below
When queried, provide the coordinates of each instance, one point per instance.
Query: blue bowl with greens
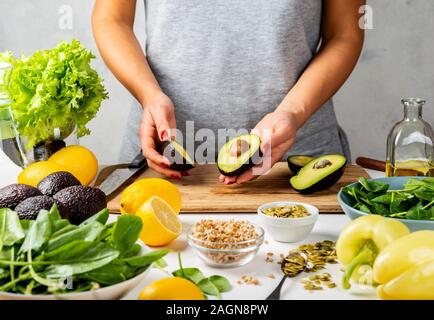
(407, 199)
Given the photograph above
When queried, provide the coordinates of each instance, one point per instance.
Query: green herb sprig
(214, 285)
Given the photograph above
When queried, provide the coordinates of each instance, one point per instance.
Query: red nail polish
(164, 135)
(165, 165)
(175, 176)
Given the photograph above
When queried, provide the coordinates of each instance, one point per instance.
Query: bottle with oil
(410, 144)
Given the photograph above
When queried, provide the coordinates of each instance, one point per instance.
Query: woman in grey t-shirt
(267, 65)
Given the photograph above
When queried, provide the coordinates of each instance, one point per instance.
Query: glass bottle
(10, 145)
(410, 146)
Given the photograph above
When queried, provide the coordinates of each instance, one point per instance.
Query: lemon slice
(161, 224)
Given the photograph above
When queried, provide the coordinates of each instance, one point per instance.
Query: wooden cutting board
(203, 193)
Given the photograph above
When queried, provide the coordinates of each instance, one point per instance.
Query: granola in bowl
(226, 243)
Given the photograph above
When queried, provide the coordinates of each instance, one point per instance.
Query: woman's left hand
(277, 131)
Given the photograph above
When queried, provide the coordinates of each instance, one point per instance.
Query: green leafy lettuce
(55, 88)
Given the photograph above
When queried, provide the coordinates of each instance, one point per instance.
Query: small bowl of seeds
(225, 243)
(288, 221)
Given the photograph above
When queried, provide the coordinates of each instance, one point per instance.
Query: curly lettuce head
(55, 88)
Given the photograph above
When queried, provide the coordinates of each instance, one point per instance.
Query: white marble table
(327, 227)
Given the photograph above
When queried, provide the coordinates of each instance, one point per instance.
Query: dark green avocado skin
(12, 195)
(182, 165)
(81, 202)
(324, 183)
(57, 181)
(29, 208)
(246, 166)
(295, 168)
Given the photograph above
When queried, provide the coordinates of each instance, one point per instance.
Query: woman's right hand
(158, 125)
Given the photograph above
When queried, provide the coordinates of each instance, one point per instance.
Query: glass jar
(410, 147)
(10, 144)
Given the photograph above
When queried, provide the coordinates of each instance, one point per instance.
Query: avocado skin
(57, 181)
(246, 166)
(295, 168)
(174, 154)
(12, 195)
(81, 202)
(29, 208)
(324, 183)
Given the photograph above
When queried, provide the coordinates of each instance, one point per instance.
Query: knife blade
(121, 174)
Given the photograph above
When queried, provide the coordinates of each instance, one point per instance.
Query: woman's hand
(158, 125)
(277, 131)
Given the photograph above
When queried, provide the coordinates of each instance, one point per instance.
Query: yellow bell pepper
(405, 269)
(362, 240)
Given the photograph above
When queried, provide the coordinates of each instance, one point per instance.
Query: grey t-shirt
(226, 64)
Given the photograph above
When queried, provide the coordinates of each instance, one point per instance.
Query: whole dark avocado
(319, 174)
(29, 208)
(12, 195)
(239, 154)
(179, 159)
(81, 202)
(57, 181)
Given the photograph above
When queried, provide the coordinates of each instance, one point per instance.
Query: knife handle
(373, 164)
(138, 162)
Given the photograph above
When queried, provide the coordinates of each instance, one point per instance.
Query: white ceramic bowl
(112, 292)
(288, 229)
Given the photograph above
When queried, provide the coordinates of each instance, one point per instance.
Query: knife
(117, 175)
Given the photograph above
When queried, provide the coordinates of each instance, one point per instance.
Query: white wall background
(398, 61)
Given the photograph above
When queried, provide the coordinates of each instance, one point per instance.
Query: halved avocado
(239, 154)
(319, 174)
(296, 162)
(179, 159)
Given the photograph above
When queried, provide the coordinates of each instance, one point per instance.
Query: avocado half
(319, 174)
(296, 162)
(179, 159)
(239, 154)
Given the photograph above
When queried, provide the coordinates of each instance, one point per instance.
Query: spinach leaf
(65, 229)
(126, 232)
(78, 257)
(88, 232)
(208, 287)
(11, 230)
(373, 186)
(134, 250)
(192, 274)
(38, 234)
(222, 284)
(419, 214)
(54, 214)
(100, 217)
(145, 259)
(111, 273)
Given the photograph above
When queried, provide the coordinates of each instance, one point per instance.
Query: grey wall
(397, 62)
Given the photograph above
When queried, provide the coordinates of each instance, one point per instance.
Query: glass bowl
(227, 254)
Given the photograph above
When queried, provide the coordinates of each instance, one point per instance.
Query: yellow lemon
(140, 191)
(160, 223)
(37, 171)
(174, 288)
(78, 160)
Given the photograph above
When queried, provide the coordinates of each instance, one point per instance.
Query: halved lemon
(161, 224)
(140, 191)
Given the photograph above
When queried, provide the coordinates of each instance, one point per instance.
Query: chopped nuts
(249, 280)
